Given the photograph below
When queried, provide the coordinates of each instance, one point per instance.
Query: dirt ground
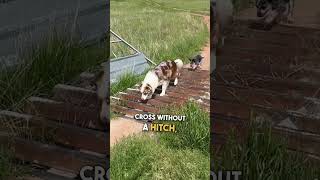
(123, 127)
(306, 13)
(206, 50)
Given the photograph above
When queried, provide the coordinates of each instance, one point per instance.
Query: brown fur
(167, 70)
(148, 89)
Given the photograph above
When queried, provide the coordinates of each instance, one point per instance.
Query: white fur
(179, 63)
(103, 93)
(154, 81)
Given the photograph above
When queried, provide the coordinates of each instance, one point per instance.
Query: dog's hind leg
(164, 88)
(175, 81)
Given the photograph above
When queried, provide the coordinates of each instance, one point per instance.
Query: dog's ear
(190, 59)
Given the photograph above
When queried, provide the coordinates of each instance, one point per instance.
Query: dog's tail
(179, 63)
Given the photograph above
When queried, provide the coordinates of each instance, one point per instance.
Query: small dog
(196, 62)
(161, 75)
(266, 8)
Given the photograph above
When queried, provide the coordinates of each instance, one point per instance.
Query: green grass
(160, 33)
(125, 81)
(181, 155)
(142, 157)
(264, 157)
(9, 168)
(56, 60)
(194, 6)
(193, 133)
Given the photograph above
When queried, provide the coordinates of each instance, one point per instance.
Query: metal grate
(125, 58)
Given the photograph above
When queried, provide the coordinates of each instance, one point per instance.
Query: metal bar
(150, 60)
(114, 54)
(117, 41)
(116, 35)
(124, 57)
(131, 47)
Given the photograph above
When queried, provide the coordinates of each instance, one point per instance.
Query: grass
(124, 81)
(198, 6)
(56, 60)
(181, 155)
(142, 157)
(264, 157)
(159, 33)
(194, 133)
(8, 168)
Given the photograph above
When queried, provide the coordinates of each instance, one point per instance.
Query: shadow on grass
(263, 156)
(9, 168)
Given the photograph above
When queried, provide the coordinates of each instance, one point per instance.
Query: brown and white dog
(161, 75)
(102, 90)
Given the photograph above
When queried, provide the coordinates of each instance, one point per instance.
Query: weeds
(160, 33)
(57, 60)
(264, 156)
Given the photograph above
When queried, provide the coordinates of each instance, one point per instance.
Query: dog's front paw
(175, 82)
(162, 94)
